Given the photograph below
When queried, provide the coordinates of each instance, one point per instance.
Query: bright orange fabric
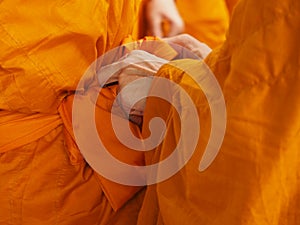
(45, 49)
(255, 177)
(117, 194)
(205, 20)
(230, 5)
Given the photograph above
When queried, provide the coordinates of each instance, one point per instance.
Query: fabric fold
(117, 194)
(18, 129)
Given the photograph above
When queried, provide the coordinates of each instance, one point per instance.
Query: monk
(255, 177)
(45, 180)
(45, 49)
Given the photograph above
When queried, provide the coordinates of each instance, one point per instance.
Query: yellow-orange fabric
(117, 194)
(45, 47)
(230, 5)
(205, 20)
(255, 177)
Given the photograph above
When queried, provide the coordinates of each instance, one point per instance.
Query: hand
(158, 11)
(187, 41)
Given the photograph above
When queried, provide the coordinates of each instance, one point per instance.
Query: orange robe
(255, 177)
(230, 5)
(45, 47)
(205, 20)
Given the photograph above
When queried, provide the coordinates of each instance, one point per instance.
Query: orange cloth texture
(255, 178)
(230, 5)
(46, 46)
(205, 20)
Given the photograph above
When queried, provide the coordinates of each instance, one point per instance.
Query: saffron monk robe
(255, 177)
(46, 47)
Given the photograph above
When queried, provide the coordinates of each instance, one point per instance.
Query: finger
(190, 43)
(176, 27)
(154, 20)
(156, 27)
